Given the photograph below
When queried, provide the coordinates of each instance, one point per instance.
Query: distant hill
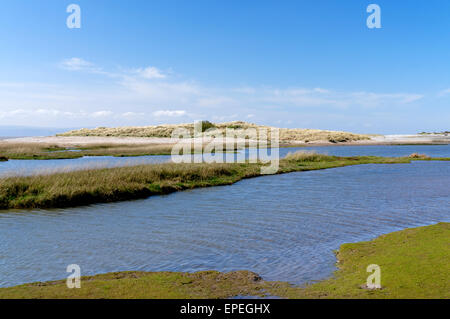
(286, 135)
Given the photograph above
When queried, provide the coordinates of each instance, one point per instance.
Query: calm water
(283, 227)
(24, 167)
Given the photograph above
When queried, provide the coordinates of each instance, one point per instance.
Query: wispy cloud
(165, 90)
(444, 92)
(169, 113)
(53, 113)
(133, 114)
(149, 73)
(147, 95)
(383, 99)
(101, 113)
(77, 64)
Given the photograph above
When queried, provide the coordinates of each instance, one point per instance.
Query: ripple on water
(283, 227)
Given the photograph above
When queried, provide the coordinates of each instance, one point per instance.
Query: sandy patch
(86, 140)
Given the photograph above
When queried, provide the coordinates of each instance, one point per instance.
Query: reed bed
(306, 156)
(110, 184)
(42, 151)
(102, 185)
(10, 150)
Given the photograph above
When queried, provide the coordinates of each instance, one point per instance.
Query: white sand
(86, 140)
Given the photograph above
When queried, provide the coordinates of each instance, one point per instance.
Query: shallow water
(283, 227)
(26, 167)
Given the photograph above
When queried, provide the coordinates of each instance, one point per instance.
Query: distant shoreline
(416, 139)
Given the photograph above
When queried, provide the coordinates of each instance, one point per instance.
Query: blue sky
(311, 64)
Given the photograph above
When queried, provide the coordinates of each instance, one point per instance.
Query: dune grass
(286, 135)
(90, 186)
(414, 264)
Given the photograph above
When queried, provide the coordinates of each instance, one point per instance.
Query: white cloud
(169, 113)
(318, 98)
(56, 113)
(76, 64)
(132, 114)
(81, 65)
(101, 113)
(444, 92)
(149, 73)
(380, 99)
(146, 96)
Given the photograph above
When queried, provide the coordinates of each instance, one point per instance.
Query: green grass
(414, 264)
(145, 285)
(124, 183)
(42, 151)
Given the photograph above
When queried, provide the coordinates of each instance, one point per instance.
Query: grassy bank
(42, 151)
(286, 135)
(414, 264)
(124, 183)
(146, 285)
(45, 151)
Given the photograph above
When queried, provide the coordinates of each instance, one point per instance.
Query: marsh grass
(419, 156)
(12, 150)
(306, 156)
(123, 183)
(110, 184)
(42, 151)
(9, 150)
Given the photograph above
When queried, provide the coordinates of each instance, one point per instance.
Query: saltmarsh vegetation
(103, 185)
(43, 151)
(413, 263)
